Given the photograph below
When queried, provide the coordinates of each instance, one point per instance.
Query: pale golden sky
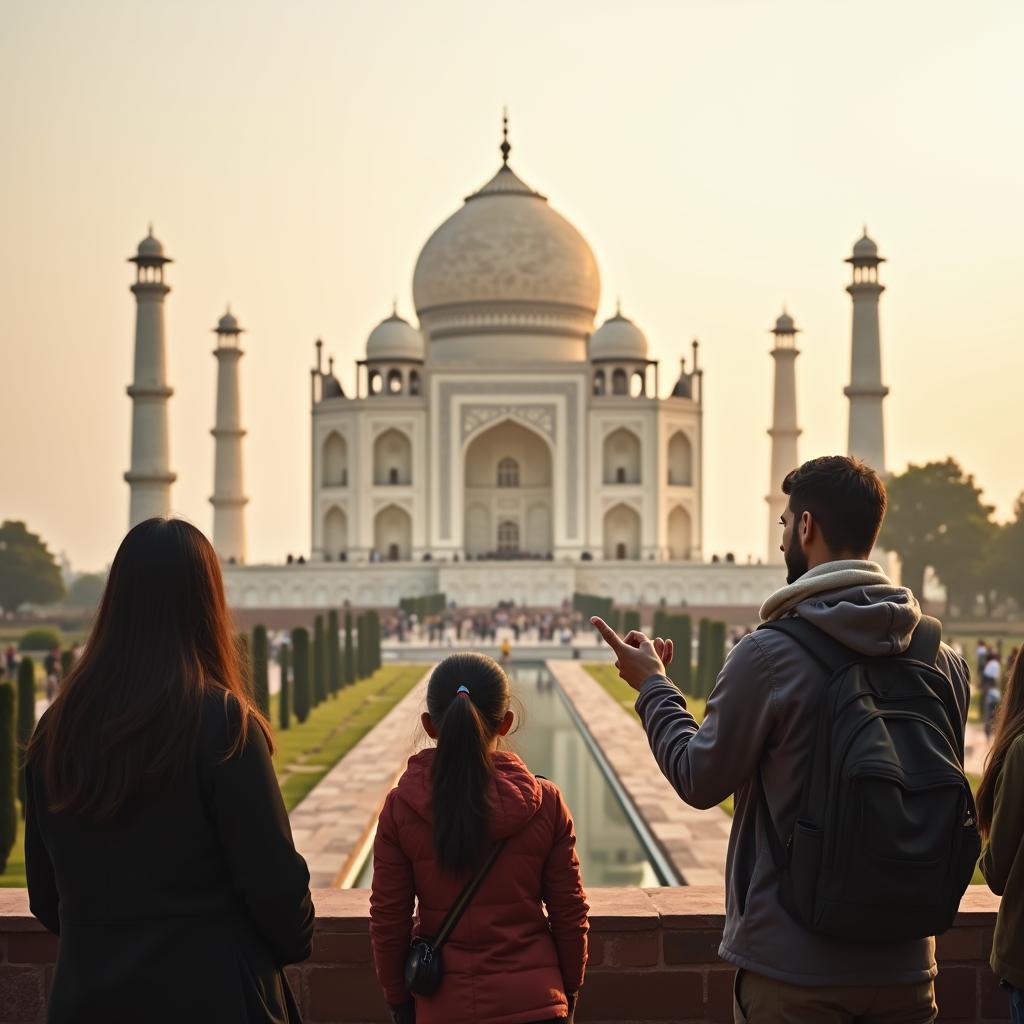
(720, 156)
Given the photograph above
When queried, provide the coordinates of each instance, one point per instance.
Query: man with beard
(759, 730)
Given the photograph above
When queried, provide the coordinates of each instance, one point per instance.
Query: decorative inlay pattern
(540, 416)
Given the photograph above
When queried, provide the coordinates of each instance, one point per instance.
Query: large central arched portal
(508, 499)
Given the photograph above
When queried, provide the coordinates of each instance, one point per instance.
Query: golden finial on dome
(506, 146)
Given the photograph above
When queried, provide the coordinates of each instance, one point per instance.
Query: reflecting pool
(548, 739)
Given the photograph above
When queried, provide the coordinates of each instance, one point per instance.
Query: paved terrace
(333, 823)
(694, 841)
(653, 958)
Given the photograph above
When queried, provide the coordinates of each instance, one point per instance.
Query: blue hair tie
(462, 689)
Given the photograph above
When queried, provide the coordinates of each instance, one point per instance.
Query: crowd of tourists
(158, 847)
(454, 627)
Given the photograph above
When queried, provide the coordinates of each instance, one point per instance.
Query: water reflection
(609, 849)
(547, 739)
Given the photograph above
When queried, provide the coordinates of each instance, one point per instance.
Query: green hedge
(303, 697)
(319, 662)
(42, 639)
(284, 697)
(333, 654)
(261, 669)
(26, 716)
(8, 774)
(348, 663)
(421, 607)
(589, 605)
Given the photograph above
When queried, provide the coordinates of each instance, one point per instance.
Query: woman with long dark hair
(505, 962)
(157, 844)
(1000, 800)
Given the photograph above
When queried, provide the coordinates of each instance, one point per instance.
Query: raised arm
(707, 763)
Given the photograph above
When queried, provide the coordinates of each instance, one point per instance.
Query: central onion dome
(507, 263)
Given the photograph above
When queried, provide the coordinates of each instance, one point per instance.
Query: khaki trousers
(761, 1000)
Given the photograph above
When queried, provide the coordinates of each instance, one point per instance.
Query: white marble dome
(394, 338)
(505, 247)
(618, 338)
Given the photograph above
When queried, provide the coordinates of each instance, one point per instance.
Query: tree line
(937, 519)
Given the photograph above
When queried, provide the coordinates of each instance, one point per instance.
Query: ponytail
(466, 724)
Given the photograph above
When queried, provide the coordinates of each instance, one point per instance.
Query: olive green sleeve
(1007, 832)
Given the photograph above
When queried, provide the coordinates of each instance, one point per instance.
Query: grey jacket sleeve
(706, 764)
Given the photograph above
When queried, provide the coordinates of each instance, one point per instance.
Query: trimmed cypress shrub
(8, 774)
(362, 647)
(244, 662)
(260, 669)
(680, 630)
(630, 620)
(333, 654)
(702, 688)
(716, 656)
(373, 621)
(284, 697)
(319, 662)
(26, 717)
(67, 662)
(349, 658)
(303, 697)
(660, 626)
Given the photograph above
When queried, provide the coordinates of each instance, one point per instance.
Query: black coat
(184, 909)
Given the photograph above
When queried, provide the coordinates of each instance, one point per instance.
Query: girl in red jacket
(505, 962)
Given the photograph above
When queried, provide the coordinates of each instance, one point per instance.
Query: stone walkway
(975, 749)
(694, 841)
(332, 824)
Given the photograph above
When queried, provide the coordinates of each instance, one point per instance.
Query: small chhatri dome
(865, 249)
(394, 338)
(150, 252)
(150, 246)
(618, 338)
(784, 324)
(228, 324)
(331, 387)
(684, 386)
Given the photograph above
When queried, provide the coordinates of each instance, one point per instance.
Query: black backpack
(886, 842)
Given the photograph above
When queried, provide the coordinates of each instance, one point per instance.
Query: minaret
(229, 498)
(784, 431)
(866, 439)
(150, 477)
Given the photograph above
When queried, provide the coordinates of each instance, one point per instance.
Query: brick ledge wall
(653, 958)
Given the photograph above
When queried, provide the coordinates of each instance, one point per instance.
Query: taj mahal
(502, 448)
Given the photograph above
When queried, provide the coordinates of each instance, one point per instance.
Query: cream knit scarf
(827, 576)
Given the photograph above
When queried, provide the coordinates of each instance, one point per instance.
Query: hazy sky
(720, 156)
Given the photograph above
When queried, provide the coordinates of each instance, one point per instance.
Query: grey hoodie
(763, 713)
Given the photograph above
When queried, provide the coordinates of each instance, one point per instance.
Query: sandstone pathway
(332, 824)
(695, 841)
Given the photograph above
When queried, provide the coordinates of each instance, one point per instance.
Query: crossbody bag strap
(459, 906)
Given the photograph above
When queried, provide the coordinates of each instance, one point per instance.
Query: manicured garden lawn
(306, 753)
(608, 676)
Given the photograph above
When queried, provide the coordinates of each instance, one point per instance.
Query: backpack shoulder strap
(829, 653)
(925, 642)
